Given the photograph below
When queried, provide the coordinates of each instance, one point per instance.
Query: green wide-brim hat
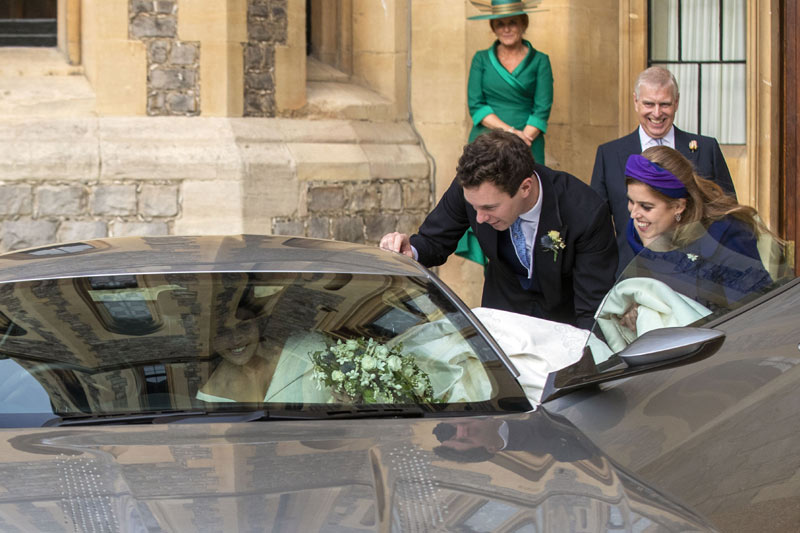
(497, 9)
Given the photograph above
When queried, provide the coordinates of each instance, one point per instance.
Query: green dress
(522, 97)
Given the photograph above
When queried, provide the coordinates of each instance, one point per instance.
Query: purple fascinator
(642, 169)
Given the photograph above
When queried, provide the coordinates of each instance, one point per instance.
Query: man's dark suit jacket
(571, 286)
(608, 176)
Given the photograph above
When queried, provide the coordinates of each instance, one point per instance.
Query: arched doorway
(28, 23)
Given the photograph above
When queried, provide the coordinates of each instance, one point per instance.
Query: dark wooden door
(28, 9)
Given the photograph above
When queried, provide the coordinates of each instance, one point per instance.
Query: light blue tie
(520, 244)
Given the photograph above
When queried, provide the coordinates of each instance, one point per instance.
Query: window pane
(686, 74)
(734, 19)
(723, 103)
(700, 30)
(664, 30)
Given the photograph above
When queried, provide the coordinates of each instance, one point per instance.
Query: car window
(688, 281)
(282, 341)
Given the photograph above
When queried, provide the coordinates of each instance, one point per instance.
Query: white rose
(336, 375)
(381, 351)
(368, 362)
(394, 363)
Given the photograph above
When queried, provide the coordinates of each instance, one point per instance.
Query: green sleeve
(479, 108)
(543, 95)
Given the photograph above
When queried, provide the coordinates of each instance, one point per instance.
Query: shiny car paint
(243, 473)
(722, 432)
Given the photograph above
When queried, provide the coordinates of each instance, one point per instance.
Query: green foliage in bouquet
(366, 371)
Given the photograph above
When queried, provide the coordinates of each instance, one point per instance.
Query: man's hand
(397, 242)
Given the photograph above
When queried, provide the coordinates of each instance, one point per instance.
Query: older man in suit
(655, 99)
(547, 235)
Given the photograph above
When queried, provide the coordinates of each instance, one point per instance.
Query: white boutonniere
(552, 242)
(691, 257)
(693, 145)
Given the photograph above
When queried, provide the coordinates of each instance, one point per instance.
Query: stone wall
(267, 26)
(361, 211)
(41, 212)
(75, 179)
(173, 81)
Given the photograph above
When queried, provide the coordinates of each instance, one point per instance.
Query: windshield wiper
(255, 415)
(160, 417)
(377, 412)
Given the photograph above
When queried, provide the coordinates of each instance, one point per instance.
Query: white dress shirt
(647, 141)
(530, 225)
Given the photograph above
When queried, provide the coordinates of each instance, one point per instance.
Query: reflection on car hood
(351, 475)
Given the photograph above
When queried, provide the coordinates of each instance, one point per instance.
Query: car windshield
(299, 343)
(688, 281)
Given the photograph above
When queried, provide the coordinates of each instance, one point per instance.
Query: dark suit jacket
(572, 286)
(608, 177)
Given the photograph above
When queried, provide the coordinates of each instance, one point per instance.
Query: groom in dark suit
(655, 99)
(547, 235)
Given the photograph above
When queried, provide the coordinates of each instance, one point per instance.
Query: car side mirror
(655, 350)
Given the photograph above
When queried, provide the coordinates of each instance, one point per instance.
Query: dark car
(281, 384)
(720, 432)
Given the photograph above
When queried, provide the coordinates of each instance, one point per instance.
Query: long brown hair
(707, 202)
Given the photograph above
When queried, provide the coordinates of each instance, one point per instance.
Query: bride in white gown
(536, 347)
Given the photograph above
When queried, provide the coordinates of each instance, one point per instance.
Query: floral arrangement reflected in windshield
(366, 371)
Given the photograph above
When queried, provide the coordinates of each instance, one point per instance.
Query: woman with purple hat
(687, 232)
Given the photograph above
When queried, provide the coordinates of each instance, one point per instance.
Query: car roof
(231, 253)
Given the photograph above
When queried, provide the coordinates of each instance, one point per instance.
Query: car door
(720, 433)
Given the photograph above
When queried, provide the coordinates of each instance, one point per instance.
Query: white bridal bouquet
(366, 371)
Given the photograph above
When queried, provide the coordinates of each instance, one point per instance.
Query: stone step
(316, 70)
(35, 62)
(45, 96)
(347, 101)
(330, 94)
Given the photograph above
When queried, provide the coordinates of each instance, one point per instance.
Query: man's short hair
(498, 157)
(656, 77)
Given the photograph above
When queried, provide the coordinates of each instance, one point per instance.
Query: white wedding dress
(536, 347)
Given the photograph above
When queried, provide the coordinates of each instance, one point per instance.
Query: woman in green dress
(511, 83)
(510, 88)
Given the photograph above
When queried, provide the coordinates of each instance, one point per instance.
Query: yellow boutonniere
(552, 242)
(693, 145)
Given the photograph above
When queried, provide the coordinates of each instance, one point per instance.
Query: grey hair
(657, 77)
